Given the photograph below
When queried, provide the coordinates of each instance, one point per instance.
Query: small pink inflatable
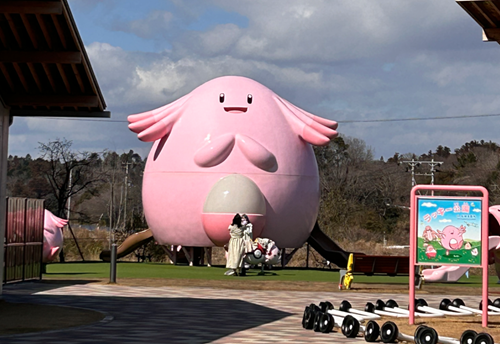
(231, 146)
(52, 236)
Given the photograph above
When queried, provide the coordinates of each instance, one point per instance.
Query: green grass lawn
(92, 270)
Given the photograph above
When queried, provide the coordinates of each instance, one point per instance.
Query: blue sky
(343, 60)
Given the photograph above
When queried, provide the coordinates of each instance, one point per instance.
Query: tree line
(360, 195)
(95, 188)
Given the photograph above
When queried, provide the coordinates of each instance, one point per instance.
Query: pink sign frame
(484, 239)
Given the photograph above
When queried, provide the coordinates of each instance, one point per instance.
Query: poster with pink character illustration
(449, 231)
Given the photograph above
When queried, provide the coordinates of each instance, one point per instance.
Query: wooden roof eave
(86, 60)
(487, 14)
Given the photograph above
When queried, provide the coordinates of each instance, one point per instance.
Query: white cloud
(428, 205)
(343, 60)
(320, 31)
(476, 210)
(444, 220)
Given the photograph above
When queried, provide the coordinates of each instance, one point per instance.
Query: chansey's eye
(249, 99)
(221, 97)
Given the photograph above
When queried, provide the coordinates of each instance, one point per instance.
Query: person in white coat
(236, 247)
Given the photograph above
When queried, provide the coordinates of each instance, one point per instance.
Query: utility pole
(126, 192)
(111, 232)
(69, 189)
(432, 165)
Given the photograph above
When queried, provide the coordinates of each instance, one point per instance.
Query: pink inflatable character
(451, 238)
(231, 146)
(52, 236)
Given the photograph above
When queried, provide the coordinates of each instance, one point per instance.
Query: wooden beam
(67, 57)
(64, 77)
(51, 100)
(492, 34)
(78, 78)
(55, 113)
(30, 30)
(49, 76)
(60, 31)
(20, 74)
(45, 31)
(485, 15)
(14, 30)
(7, 77)
(35, 76)
(3, 38)
(30, 7)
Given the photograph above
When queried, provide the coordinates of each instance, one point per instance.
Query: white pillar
(4, 141)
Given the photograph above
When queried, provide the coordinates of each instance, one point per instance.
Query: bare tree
(68, 172)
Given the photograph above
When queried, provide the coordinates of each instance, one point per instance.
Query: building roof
(487, 14)
(44, 68)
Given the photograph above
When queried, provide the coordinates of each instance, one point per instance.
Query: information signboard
(448, 231)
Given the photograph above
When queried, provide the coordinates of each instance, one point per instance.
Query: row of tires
(318, 318)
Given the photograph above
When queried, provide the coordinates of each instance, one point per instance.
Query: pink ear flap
(155, 124)
(312, 129)
(320, 120)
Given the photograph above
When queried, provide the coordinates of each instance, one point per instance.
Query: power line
(417, 118)
(340, 121)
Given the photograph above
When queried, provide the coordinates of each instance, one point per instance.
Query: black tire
(350, 327)
(313, 307)
(427, 335)
(372, 331)
(457, 303)
(391, 304)
(370, 307)
(345, 306)
(416, 335)
(326, 323)
(317, 321)
(421, 303)
(304, 316)
(445, 303)
(389, 332)
(380, 305)
(483, 338)
(325, 306)
(468, 337)
(496, 303)
(309, 319)
(481, 304)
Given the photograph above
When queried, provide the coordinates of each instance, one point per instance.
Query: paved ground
(188, 315)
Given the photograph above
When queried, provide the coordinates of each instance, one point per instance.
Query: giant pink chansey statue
(52, 236)
(231, 146)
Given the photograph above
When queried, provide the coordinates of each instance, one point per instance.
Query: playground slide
(453, 273)
(327, 248)
(444, 274)
(129, 245)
